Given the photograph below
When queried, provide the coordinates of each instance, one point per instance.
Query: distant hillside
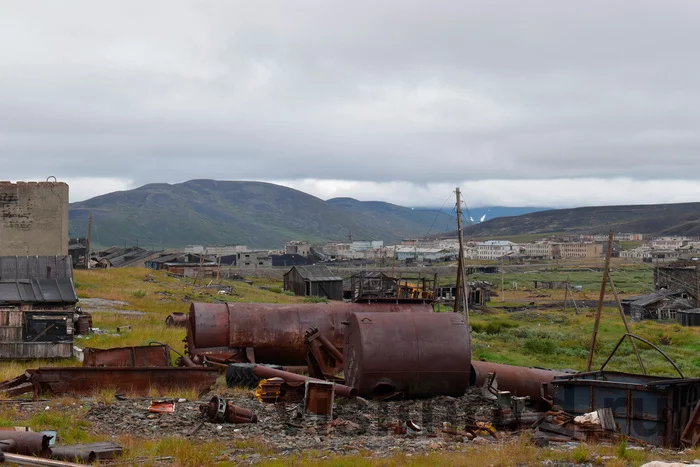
(252, 213)
(657, 219)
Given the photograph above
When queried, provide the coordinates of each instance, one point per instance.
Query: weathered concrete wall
(33, 218)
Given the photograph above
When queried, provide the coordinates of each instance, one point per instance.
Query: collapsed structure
(37, 307)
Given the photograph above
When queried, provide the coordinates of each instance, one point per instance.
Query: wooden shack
(314, 281)
(37, 307)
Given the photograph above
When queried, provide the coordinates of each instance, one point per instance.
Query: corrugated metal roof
(317, 273)
(35, 267)
(37, 291)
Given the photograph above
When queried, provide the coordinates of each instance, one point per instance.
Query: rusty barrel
(519, 380)
(417, 354)
(274, 332)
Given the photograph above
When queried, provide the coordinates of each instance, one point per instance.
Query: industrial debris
(220, 410)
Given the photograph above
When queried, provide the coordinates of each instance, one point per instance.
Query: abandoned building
(681, 276)
(368, 286)
(33, 218)
(479, 293)
(253, 259)
(314, 281)
(177, 262)
(660, 305)
(117, 257)
(77, 250)
(688, 317)
(37, 307)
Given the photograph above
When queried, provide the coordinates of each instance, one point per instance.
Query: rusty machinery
(272, 333)
(412, 354)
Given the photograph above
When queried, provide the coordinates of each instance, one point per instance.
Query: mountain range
(256, 214)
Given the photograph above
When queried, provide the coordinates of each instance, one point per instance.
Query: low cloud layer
(520, 103)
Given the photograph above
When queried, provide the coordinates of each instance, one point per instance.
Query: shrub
(139, 294)
(540, 345)
(313, 299)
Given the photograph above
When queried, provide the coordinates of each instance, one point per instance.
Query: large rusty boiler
(273, 333)
(417, 354)
(518, 380)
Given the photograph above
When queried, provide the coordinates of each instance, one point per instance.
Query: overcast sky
(521, 103)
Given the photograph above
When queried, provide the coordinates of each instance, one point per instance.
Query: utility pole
(608, 254)
(503, 290)
(462, 292)
(87, 252)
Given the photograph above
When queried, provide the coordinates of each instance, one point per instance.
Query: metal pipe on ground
(273, 333)
(415, 354)
(20, 459)
(518, 380)
(25, 442)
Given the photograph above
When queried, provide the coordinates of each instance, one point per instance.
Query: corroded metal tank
(273, 333)
(519, 380)
(417, 354)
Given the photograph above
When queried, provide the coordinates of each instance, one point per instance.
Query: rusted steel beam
(518, 380)
(141, 356)
(20, 459)
(272, 333)
(267, 372)
(88, 380)
(417, 354)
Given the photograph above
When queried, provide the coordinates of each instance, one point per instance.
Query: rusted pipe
(272, 333)
(178, 320)
(220, 410)
(416, 354)
(267, 372)
(331, 348)
(26, 442)
(519, 380)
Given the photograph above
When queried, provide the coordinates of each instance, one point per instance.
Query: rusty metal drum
(417, 354)
(273, 333)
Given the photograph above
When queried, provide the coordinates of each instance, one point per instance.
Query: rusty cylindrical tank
(519, 380)
(418, 354)
(275, 332)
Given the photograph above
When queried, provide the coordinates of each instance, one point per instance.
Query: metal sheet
(139, 381)
(275, 332)
(141, 356)
(417, 354)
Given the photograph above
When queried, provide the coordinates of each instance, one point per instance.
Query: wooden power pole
(601, 298)
(87, 249)
(461, 290)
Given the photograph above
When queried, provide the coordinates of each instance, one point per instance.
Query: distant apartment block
(668, 243)
(579, 250)
(642, 253)
(254, 259)
(364, 245)
(496, 249)
(543, 250)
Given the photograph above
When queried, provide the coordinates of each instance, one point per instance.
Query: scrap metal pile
(307, 355)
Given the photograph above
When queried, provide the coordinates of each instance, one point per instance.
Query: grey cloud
(369, 91)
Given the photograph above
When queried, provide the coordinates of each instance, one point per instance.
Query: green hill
(256, 214)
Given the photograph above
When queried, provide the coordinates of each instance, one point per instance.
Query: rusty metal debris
(162, 406)
(416, 354)
(323, 358)
(89, 380)
(274, 390)
(271, 333)
(220, 410)
(25, 442)
(318, 399)
(249, 375)
(649, 409)
(534, 383)
(141, 356)
(20, 459)
(87, 452)
(691, 433)
(177, 320)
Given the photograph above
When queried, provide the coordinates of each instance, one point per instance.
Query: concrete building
(364, 245)
(422, 254)
(296, 247)
(254, 259)
(496, 249)
(33, 218)
(544, 250)
(668, 243)
(578, 250)
(641, 252)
